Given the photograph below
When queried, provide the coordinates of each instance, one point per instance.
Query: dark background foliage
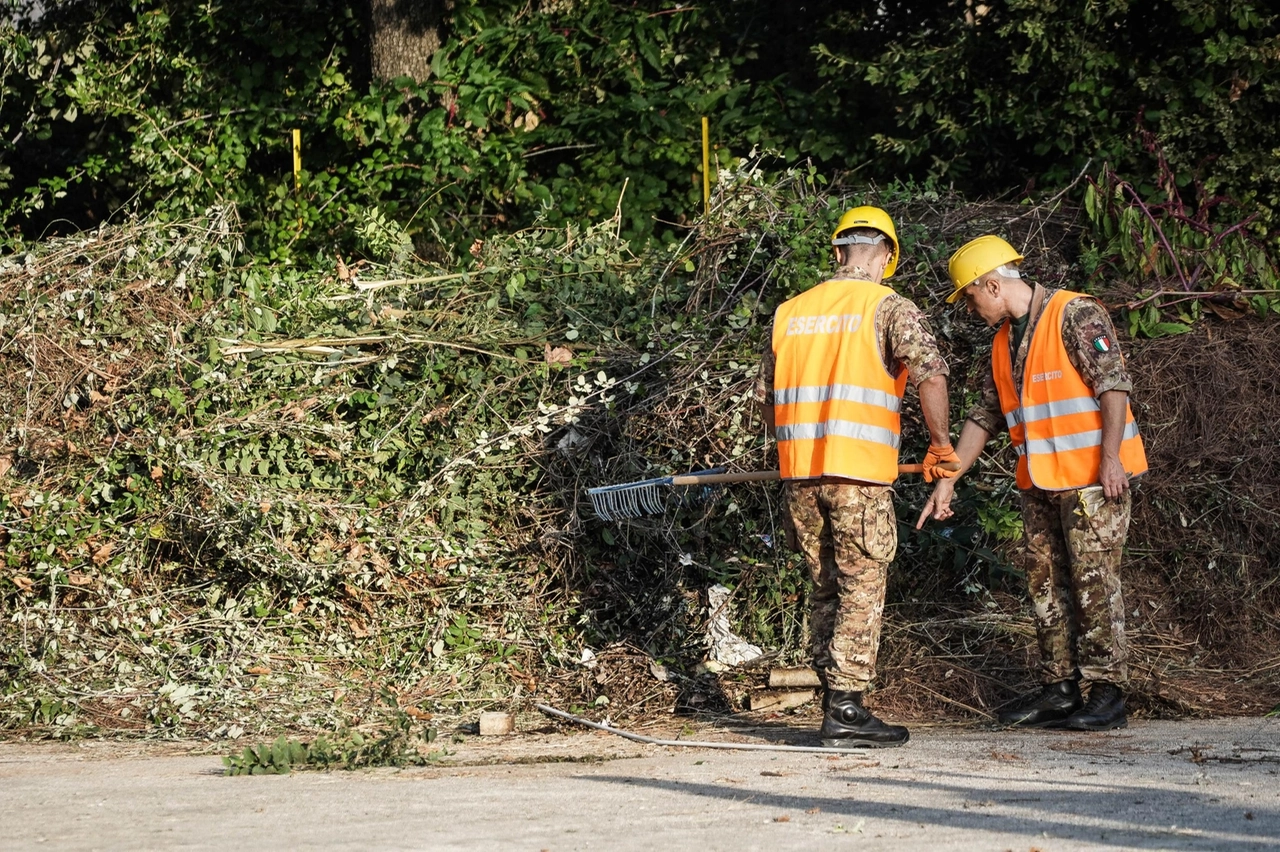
(548, 109)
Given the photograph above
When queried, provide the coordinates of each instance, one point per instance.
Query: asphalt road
(1156, 785)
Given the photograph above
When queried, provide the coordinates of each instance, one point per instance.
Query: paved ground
(1157, 785)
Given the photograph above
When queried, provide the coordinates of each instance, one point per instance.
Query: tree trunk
(404, 35)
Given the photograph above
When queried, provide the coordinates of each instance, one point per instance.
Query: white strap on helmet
(1006, 270)
(854, 239)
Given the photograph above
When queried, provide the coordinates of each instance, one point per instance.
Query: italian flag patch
(1102, 344)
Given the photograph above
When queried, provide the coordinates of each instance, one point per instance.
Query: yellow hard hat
(978, 257)
(869, 217)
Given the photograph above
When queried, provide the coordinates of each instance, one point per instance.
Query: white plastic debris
(727, 648)
(570, 442)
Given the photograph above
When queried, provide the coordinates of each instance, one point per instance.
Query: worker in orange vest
(1058, 383)
(831, 389)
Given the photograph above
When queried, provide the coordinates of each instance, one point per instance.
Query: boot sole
(1122, 723)
(853, 742)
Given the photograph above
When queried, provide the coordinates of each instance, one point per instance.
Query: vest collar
(854, 273)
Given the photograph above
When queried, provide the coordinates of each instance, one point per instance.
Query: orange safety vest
(836, 407)
(1056, 426)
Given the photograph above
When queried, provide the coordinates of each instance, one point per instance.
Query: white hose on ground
(638, 738)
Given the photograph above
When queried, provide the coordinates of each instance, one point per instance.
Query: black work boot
(1102, 712)
(847, 724)
(1048, 708)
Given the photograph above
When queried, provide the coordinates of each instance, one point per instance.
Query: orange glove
(934, 462)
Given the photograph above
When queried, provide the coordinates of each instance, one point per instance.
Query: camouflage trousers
(848, 535)
(1073, 545)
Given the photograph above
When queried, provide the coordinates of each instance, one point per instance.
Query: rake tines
(613, 502)
(634, 499)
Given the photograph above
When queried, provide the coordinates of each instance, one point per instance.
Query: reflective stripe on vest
(842, 428)
(1056, 424)
(1077, 441)
(852, 393)
(1059, 408)
(836, 408)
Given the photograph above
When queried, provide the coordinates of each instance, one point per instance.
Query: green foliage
(263, 477)
(564, 112)
(1147, 322)
(1034, 88)
(260, 454)
(1000, 521)
(528, 114)
(1193, 256)
(224, 447)
(395, 743)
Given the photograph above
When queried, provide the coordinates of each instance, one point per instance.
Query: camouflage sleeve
(763, 391)
(986, 412)
(1092, 346)
(910, 340)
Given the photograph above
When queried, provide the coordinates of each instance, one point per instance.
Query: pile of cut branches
(238, 498)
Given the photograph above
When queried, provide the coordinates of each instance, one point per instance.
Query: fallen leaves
(1224, 312)
(1238, 86)
(298, 411)
(558, 356)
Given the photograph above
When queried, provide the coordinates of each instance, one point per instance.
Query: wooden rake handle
(771, 475)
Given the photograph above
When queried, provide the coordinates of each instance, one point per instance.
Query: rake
(636, 499)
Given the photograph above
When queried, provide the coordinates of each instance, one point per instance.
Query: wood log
(497, 724)
(780, 699)
(791, 678)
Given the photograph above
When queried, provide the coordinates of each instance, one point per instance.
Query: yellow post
(297, 161)
(706, 168)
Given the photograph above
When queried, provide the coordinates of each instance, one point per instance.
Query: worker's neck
(1017, 299)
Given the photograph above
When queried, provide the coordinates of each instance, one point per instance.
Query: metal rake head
(636, 499)
(630, 500)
